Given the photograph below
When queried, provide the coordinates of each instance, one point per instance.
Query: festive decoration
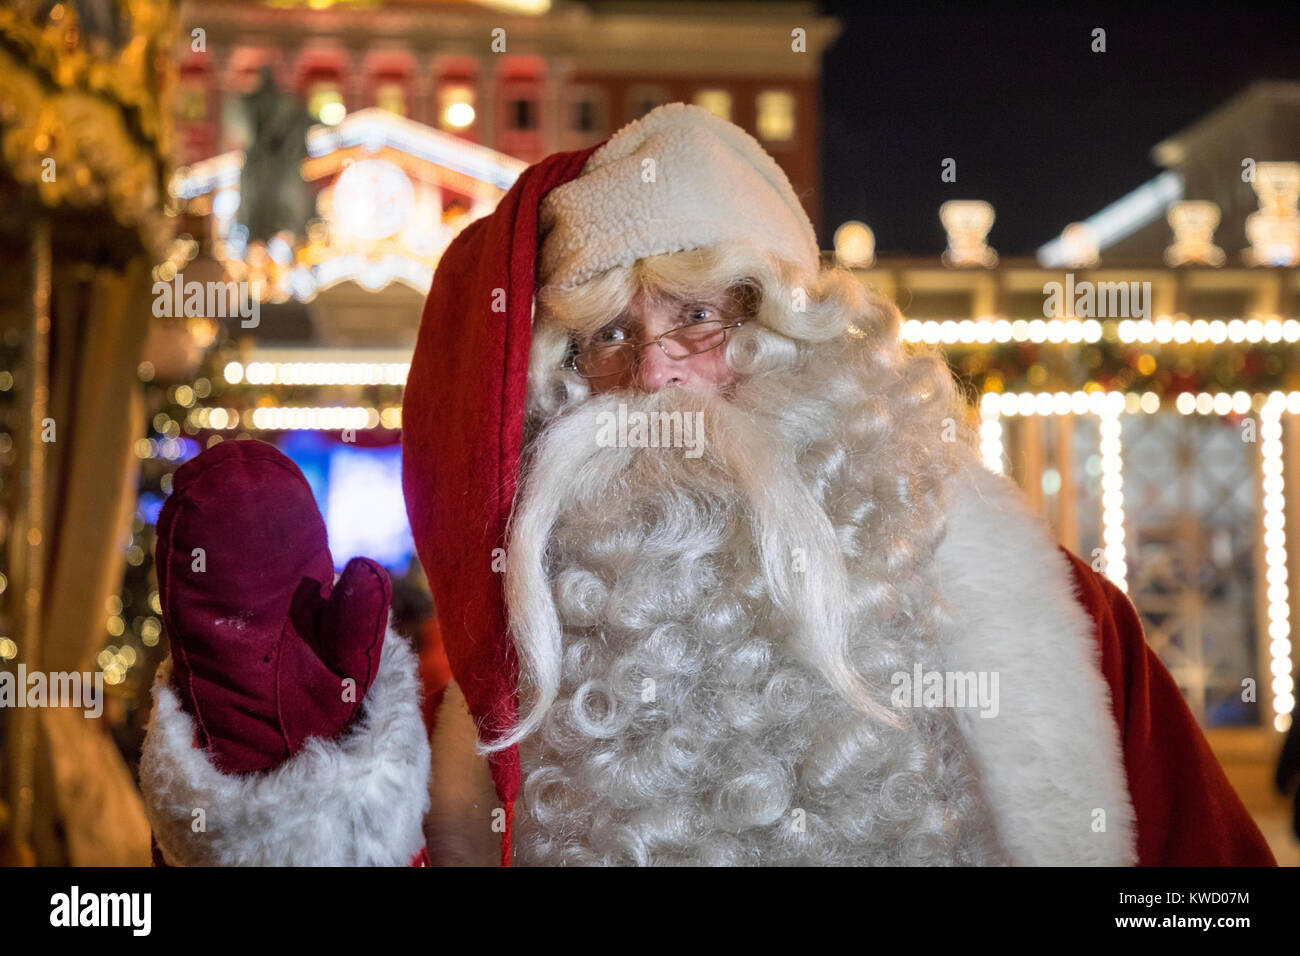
(1274, 231)
(82, 116)
(1166, 356)
(855, 245)
(1109, 406)
(968, 223)
(1275, 556)
(1194, 223)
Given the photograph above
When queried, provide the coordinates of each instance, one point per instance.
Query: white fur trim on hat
(357, 800)
(678, 178)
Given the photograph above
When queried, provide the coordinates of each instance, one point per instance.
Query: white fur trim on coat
(357, 800)
(678, 178)
(1052, 757)
(462, 799)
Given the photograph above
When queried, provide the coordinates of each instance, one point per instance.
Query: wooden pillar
(985, 299)
(28, 546)
(1031, 455)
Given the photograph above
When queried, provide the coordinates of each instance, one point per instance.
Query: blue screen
(359, 493)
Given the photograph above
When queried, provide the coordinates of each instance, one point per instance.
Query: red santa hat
(679, 178)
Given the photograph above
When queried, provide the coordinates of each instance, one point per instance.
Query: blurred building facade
(526, 78)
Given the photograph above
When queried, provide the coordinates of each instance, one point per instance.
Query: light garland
(275, 418)
(1112, 496)
(991, 442)
(1025, 404)
(1182, 331)
(316, 373)
(1275, 558)
(213, 419)
(1097, 402)
(985, 331)
(320, 418)
(1161, 330)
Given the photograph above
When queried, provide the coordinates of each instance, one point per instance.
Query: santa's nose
(655, 370)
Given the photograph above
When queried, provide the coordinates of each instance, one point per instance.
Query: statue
(273, 196)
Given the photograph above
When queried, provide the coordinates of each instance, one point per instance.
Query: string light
(991, 434)
(1165, 329)
(1112, 491)
(1108, 406)
(115, 662)
(1009, 404)
(297, 418)
(987, 330)
(1162, 330)
(1275, 563)
(1026, 404)
(317, 373)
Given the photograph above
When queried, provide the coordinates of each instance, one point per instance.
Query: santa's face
(652, 368)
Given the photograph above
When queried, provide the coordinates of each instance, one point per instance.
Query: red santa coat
(1187, 812)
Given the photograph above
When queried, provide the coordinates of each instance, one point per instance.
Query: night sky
(1041, 127)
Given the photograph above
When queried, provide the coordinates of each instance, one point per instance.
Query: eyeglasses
(615, 358)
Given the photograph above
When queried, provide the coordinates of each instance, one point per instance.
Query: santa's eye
(609, 335)
(699, 313)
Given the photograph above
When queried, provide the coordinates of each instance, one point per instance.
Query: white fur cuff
(357, 800)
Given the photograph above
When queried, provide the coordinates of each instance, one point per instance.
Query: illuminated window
(776, 115)
(391, 97)
(327, 98)
(717, 102)
(456, 106)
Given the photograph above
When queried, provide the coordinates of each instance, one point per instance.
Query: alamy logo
(651, 430)
(59, 689)
(102, 909)
(946, 689)
(1096, 300)
(211, 300)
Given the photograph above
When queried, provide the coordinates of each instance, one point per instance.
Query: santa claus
(719, 575)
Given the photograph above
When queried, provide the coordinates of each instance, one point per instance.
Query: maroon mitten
(264, 652)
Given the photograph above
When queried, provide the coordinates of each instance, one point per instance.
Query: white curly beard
(696, 718)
